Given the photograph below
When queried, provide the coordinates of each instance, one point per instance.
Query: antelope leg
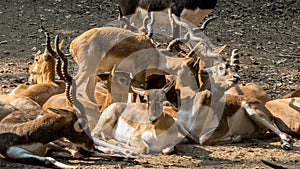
(128, 152)
(258, 119)
(20, 153)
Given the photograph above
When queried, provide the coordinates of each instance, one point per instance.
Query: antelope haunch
(287, 114)
(229, 119)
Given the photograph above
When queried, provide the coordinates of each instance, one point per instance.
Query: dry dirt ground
(267, 34)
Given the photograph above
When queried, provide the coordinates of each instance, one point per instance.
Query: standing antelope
(99, 49)
(193, 11)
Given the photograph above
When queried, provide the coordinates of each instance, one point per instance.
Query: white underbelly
(123, 131)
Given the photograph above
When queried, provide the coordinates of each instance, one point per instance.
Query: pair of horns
(165, 89)
(53, 53)
(71, 94)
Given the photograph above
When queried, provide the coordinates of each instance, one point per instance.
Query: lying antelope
(42, 72)
(250, 89)
(143, 127)
(27, 134)
(226, 120)
(45, 64)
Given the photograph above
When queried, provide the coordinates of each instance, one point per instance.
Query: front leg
(175, 29)
(141, 146)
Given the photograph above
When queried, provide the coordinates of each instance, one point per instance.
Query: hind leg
(20, 153)
(285, 139)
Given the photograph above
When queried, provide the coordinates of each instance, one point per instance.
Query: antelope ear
(219, 49)
(113, 70)
(38, 53)
(138, 91)
(46, 56)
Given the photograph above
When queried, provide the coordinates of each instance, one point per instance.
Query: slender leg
(258, 119)
(20, 153)
(174, 27)
(128, 152)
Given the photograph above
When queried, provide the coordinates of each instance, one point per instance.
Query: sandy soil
(267, 34)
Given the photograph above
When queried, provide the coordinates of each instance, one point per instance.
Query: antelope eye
(122, 80)
(36, 60)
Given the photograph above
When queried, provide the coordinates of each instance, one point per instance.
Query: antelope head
(44, 66)
(154, 99)
(224, 74)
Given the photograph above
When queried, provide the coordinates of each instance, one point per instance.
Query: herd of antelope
(132, 97)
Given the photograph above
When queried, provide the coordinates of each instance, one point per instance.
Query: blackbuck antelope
(42, 75)
(143, 127)
(250, 89)
(27, 134)
(192, 11)
(286, 114)
(226, 120)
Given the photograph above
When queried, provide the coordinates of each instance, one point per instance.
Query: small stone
(11, 64)
(6, 52)
(34, 49)
(68, 16)
(3, 42)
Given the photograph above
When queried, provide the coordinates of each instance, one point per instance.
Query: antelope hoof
(168, 150)
(286, 145)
